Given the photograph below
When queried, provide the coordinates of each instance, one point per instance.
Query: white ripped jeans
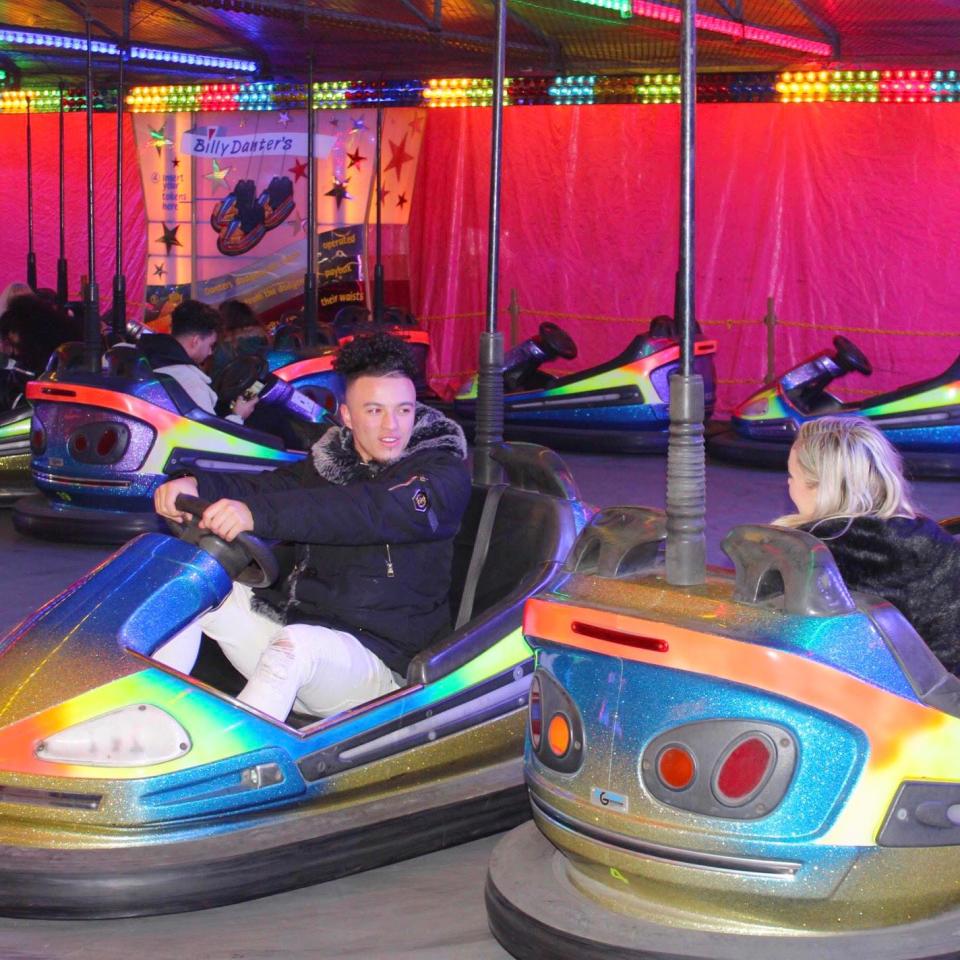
(319, 670)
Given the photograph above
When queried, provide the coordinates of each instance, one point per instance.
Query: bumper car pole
(310, 279)
(119, 313)
(378, 268)
(490, 378)
(31, 254)
(91, 295)
(63, 292)
(686, 471)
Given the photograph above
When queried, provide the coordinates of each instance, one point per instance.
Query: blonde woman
(846, 482)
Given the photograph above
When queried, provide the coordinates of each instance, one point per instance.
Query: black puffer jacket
(374, 541)
(912, 563)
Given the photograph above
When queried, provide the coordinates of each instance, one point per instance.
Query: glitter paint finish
(925, 420)
(623, 398)
(809, 862)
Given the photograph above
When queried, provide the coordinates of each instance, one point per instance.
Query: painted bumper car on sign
(921, 419)
(765, 765)
(618, 406)
(128, 788)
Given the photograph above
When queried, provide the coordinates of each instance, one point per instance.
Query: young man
(179, 354)
(373, 511)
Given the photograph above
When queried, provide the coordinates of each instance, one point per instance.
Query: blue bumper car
(764, 765)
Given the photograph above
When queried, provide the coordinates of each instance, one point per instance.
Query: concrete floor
(430, 908)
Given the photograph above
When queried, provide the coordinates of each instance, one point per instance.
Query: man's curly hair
(375, 355)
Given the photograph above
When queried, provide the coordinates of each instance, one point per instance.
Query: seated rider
(847, 484)
(373, 511)
(179, 354)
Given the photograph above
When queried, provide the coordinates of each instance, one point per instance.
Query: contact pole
(378, 268)
(31, 256)
(310, 279)
(686, 469)
(91, 297)
(119, 318)
(490, 377)
(63, 291)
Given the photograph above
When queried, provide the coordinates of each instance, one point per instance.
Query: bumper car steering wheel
(247, 559)
(850, 357)
(556, 342)
(239, 375)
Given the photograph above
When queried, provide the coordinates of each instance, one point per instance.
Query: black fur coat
(912, 563)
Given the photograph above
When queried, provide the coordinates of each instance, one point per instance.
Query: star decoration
(339, 191)
(398, 156)
(283, 119)
(383, 195)
(158, 138)
(299, 169)
(358, 124)
(355, 158)
(416, 124)
(176, 162)
(170, 237)
(335, 122)
(159, 270)
(402, 200)
(218, 175)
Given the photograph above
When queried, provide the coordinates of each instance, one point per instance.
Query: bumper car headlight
(138, 735)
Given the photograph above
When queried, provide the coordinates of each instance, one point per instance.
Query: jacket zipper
(390, 572)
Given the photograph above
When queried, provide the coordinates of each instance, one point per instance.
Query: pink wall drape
(46, 205)
(844, 214)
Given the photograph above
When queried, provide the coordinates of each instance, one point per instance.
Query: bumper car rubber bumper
(36, 516)
(536, 911)
(274, 854)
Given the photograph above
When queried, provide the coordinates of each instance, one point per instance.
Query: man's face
(199, 346)
(380, 412)
(11, 344)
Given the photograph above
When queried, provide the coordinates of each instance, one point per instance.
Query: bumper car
(242, 219)
(15, 478)
(618, 406)
(101, 443)
(921, 419)
(764, 765)
(128, 788)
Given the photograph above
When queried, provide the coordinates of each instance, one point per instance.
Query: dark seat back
(125, 360)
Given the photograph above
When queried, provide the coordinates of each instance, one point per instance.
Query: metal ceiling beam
(732, 8)
(255, 52)
(82, 10)
(553, 46)
(824, 26)
(419, 14)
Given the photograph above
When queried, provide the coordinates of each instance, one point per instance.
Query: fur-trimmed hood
(336, 460)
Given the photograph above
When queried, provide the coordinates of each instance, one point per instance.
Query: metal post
(310, 278)
(490, 377)
(771, 321)
(119, 318)
(31, 255)
(63, 291)
(686, 470)
(378, 268)
(91, 299)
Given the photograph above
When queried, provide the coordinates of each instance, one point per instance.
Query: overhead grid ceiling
(392, 39)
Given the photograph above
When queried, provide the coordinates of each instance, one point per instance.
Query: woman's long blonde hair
(853, 467)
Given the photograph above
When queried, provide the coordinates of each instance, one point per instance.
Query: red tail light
(38, 440)
(107, 441)
(743, 770)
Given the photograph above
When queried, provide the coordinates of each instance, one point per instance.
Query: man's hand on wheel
(165, 497)
(227, 518)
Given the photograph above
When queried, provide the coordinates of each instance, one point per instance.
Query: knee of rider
(290, 650)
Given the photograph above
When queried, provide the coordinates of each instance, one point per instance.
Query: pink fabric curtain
(843, 214)
(46, 203)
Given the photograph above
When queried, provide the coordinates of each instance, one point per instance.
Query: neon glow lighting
(741, 31)
(621, 6)
(164, 55)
